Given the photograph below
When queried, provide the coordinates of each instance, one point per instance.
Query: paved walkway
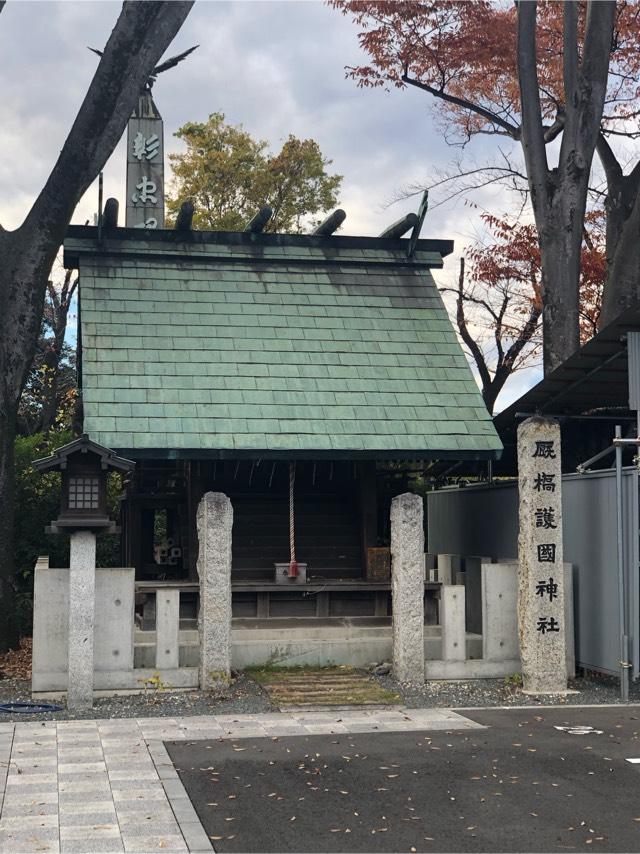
(102, 786)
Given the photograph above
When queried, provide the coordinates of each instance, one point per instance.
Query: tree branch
(525, 336)
(570, 51)
(474, 300)
(476, 352)
(612, 168)
(589, 92)
(554, 130)
(498, 327)
(511, 129)
(597, 44)
(532, 134)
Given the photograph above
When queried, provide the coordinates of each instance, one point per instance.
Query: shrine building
(270, 366)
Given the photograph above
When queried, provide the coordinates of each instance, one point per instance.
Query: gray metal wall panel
(589, 527)
(633, 357)
(474, 521)
(632, 557)
(483, 520)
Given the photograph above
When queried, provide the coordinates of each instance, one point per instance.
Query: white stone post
(407, 584)
(214, 521)
(82, 597)
(541, 586)
(452, 622)
(499, 595)
(446, 569)
(167, 629)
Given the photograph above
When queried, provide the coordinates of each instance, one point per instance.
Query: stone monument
(407, 583)
(214, 522)
(541, 606)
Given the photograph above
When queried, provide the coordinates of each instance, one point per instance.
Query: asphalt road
(519, 785)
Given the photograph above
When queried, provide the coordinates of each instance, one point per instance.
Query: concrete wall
(113, 642)
(282, 643)
(291, 642)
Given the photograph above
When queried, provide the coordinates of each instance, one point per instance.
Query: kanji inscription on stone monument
(145, 166)
(541, 612)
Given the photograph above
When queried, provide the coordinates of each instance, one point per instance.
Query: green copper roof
(263, 344)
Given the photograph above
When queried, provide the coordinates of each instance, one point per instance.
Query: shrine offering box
(378, 565)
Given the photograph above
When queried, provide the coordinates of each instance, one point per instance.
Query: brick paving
(105, 786)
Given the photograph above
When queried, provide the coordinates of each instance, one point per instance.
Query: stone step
(311, 688)
(300, 688)
(309, 682)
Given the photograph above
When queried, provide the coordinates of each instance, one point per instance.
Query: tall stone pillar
(82, 598)
(541, 593)
(214, 521)
(407, 584)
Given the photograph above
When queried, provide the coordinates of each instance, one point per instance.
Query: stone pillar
(499, 592)
(452, 622)
(214, 521)
(473, 592)
(82, 596)
(407, 584)
(167, 628)
(446, 569)
(541, 587)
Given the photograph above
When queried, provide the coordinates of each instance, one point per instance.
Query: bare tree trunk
(9, 629)
(141, 35)
(559, 195)
(560, 251)
(622, 288)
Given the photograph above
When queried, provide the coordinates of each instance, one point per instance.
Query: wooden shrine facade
(341, 515)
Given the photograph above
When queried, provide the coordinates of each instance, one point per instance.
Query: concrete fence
(476, 636)
(115, 634)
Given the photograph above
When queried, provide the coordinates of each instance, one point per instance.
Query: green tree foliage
(43, 380)
(48, 398)
(229, 176)
(38, 502)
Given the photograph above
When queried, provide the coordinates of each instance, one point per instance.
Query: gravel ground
(503, 692)
(244, 696)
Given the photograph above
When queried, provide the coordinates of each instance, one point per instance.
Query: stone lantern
(83, 514)
(84, 466)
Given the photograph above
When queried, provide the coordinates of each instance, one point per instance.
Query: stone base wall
(114, 625)
(125, 657)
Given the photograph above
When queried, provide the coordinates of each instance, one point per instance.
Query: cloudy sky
(276, 67)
